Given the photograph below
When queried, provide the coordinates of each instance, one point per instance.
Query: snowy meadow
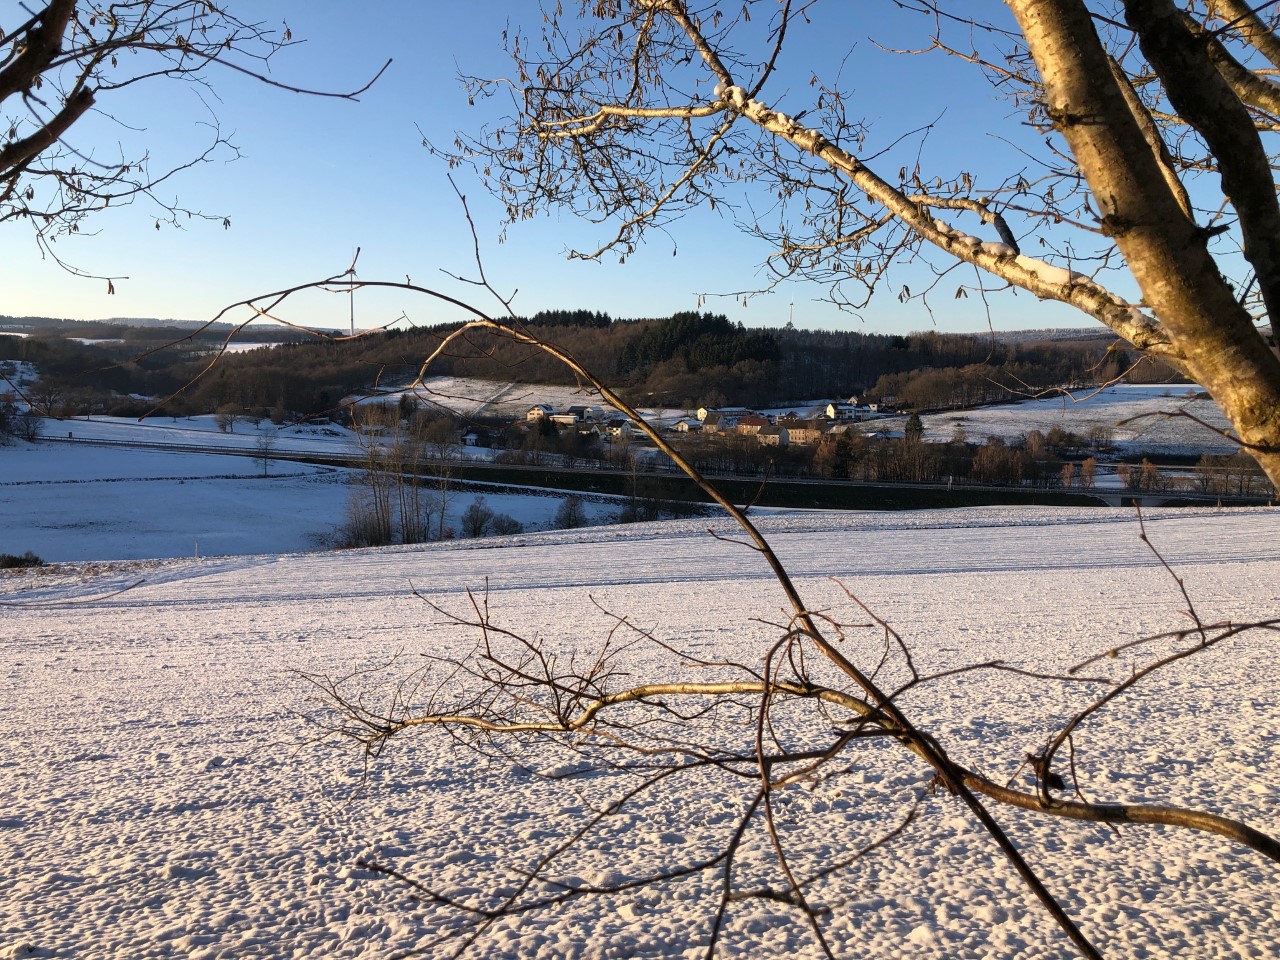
(163, 796)
(166, 790)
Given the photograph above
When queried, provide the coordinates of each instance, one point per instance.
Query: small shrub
(477, 518)
(30, 425)
(504, 525)
(571, 514)
(9, 561)
(364, 527)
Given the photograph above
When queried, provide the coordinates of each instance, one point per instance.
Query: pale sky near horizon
(319, 177)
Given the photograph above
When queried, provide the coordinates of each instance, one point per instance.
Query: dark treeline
(696, 342)
(686, 360)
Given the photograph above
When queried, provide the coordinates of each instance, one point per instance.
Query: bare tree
(412, 505)
(226, 417)
(44, 397)
(390, 500)
(30, 425)
(264, 447)
(1088, 473)
(444, 450)
(631, 114)
(371, 510)
(67, 58)
(477, 518)
(570, 514)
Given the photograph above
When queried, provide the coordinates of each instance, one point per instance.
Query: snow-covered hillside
(160, 797)
(1175, 419)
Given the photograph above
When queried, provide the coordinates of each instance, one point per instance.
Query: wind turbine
(351, 289)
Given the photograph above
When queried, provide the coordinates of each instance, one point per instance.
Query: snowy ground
(67, 502)
(472, 397)
(203, 431)
(160, 799)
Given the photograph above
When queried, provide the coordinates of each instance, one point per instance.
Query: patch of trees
(1007, 372)
(569, 318)
(403, 492)
(10, 561)
(163, 331)
(699, 341)
(685, 360)
(71, 365)
(481, 520)
(14, 422)
(1058, 458)
(1238, 474)
(544, 443)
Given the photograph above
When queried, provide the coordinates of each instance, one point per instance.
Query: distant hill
(94, 327)
(58, 323)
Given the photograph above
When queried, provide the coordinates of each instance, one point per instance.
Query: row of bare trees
(407, 479)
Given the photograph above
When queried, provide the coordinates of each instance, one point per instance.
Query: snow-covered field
(473, 397)
(65, 501)
(68, 502)
(203, 431)
(1142, 418)
(78, 501)
(159, 797)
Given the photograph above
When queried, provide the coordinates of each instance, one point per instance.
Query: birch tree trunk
(1166, 251)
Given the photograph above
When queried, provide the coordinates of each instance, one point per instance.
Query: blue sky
(319, 177)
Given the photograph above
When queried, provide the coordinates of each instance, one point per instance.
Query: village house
(618, 429)
(773, 436)
(803, 431)
(835, 429)
(719, 423)
(842, 412)
(686, 425)
(539, 411)
(752, 424)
